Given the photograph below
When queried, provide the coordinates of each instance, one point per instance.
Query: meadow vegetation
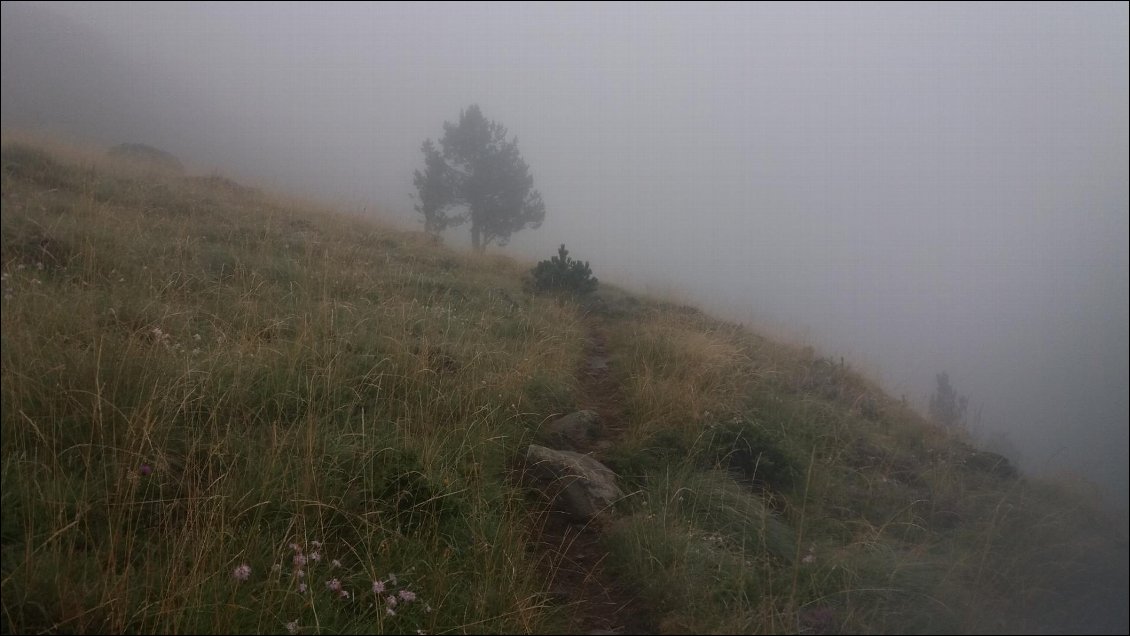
(228, 412)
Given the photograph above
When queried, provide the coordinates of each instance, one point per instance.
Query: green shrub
(562, 273)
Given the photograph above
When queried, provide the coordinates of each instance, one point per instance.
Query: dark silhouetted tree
(435, 188)
(479, 177)
(946, 406)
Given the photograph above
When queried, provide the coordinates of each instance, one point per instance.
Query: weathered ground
(598, 603)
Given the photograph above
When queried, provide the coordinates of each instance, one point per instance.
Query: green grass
(198, 375)
(781, 492)
(289, 376)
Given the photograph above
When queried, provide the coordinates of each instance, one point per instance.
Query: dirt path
(597, 602)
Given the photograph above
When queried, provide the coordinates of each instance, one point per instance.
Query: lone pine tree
(479, 176)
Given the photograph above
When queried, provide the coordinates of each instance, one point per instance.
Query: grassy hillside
(199, 377)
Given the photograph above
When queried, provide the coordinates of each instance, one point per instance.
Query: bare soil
(596, 601)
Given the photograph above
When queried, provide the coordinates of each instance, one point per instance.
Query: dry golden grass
(196, 376)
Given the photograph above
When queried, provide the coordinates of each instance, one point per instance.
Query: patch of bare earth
(596, 601)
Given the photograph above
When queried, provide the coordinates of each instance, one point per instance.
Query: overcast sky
(920, 187)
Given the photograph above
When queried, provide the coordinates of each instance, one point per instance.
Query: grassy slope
(292, 375)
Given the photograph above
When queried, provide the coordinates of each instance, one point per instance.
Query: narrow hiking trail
(597, 602)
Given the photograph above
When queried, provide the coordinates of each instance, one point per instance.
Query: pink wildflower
(407, 596)
(242, 573)
(390, 600)
(333, 585)
(378, 587)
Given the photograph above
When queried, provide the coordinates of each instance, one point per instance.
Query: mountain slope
(199, 377)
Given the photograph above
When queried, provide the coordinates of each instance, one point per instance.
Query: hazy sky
(920, 187)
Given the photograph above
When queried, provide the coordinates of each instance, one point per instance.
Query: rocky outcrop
(992, 463)
(576, 484)
(148, 157)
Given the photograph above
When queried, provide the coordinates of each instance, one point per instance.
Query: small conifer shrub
(562, 273)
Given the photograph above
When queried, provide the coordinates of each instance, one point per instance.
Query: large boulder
(575, 431)
(992, 463)
(576, 484)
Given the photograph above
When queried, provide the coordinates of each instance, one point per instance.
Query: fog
(918, 188)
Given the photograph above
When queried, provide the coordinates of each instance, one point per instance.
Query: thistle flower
(302, 588)
(378, 587)
(242, 573)
(292, 626)
(146, 470)
(299, 560)
(390, 600)
(333, 585)
(406, 596)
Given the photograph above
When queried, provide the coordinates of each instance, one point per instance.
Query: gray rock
(574, 431)
(576, 484)
(992, 463)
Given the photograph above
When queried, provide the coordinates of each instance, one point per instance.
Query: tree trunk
(476, 240)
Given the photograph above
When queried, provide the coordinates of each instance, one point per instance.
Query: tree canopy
(478, 176)
(947, 406)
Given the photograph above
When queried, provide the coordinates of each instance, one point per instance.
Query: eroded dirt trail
(598, 602)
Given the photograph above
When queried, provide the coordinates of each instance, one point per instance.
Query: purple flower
(407, 596)
(378, 587)
(242, 573)
(146, 470)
